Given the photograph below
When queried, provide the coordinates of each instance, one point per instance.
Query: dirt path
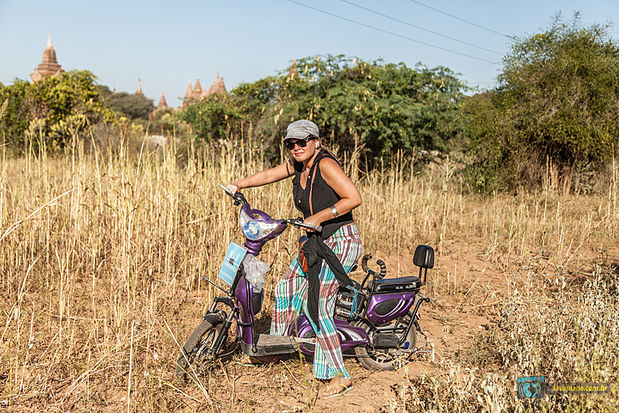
(463, 287)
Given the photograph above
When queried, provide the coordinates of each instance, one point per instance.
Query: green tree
(382, 107)
(51, 111)
(212, 118)
(555, 112)
(132, 105)
(14, 121)
(164, 122)
(387, 107)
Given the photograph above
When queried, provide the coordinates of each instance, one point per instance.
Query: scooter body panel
(384, 308)
(350, 336)
(242, 295)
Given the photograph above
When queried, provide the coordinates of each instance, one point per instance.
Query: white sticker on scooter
(232, 261)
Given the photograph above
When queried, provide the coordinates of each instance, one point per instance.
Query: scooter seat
(397, 285)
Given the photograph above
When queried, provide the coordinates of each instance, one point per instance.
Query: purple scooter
(377, 322)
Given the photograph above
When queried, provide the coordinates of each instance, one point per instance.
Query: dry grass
(567, 336)
(101, 257)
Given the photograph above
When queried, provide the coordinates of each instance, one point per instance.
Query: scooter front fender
(215, 318)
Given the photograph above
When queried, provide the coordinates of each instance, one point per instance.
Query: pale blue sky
(167, 44)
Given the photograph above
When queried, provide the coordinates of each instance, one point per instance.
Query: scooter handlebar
(298, 223)
(364, 262)
(367, 270)
(239, 198)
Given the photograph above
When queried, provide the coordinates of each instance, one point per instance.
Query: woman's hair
(327, 150)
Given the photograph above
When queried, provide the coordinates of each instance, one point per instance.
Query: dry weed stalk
(88, 277)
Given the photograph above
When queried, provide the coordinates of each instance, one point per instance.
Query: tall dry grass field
(101, 258)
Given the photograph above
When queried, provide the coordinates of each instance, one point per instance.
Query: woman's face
(303, 153)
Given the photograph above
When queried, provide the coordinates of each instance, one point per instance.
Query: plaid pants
(291, 299)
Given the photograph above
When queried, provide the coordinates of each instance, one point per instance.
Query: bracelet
(334, 211)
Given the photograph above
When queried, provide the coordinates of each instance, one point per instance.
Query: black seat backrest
(424, 256)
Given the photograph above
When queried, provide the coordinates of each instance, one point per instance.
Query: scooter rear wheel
(193, 354)
(381, 359)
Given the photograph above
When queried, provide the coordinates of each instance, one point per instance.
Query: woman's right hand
(234, 188)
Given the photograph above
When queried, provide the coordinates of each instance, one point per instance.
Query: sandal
(336, 390)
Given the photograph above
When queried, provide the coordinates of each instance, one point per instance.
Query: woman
(326, 196)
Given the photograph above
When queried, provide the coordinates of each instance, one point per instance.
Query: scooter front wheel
(196, 351)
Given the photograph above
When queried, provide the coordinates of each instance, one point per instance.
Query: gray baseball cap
(301, 129)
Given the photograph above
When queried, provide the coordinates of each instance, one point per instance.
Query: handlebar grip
(238, 197)
(383, 268)
(364, 262)
(298, 222)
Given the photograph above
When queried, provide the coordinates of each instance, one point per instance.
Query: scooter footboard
(269, 345)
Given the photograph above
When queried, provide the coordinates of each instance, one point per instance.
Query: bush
(571, 337)
(382, 108)
(51, 112)
(132, 105)
(212, 118)
(554, 116)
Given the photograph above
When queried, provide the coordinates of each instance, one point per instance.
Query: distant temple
(139, 91)
(162, 102)
(49, 65)
(218, 85)
(197, 92)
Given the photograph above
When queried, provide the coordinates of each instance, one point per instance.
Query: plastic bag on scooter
(255, 271)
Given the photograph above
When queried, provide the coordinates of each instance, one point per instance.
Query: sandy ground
(464, 288)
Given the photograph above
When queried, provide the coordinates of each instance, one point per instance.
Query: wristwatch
(334, 211)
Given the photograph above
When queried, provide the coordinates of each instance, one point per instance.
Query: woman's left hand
(311, 221)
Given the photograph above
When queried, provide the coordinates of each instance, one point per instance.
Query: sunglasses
(301, 143)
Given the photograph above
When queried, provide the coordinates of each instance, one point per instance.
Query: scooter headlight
(254, 229)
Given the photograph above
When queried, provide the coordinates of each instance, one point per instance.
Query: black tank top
(323, 196)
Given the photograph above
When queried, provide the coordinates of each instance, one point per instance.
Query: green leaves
(388, 107)
(213, 118)
(556, 107)
(132, 105)
(51, 111)
(385, 107)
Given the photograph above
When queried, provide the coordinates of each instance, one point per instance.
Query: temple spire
(218, 85)
(197, 90)
(187, 97)
(162, 101)
(139, 91)
(49, 64)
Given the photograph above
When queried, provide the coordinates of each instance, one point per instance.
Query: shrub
(555, 114)
(51, 112)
